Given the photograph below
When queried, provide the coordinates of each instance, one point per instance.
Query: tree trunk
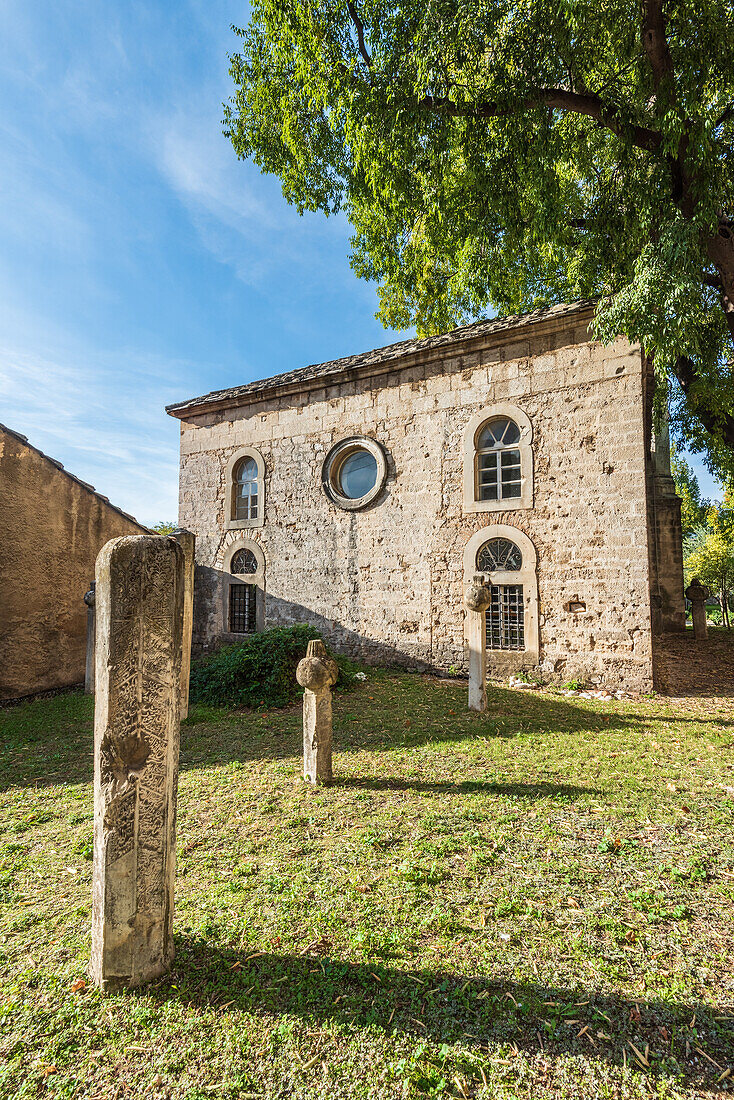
(720, 251)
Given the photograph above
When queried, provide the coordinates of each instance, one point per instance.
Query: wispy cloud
(89, 416)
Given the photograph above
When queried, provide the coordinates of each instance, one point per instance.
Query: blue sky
(140, 262)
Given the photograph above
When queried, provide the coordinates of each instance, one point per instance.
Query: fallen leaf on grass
(641, 1058)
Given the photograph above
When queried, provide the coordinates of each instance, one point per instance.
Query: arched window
(243, 574)
(505, 616)
(245, 490)
(499, 469)
(498, 460)
(507, 558)
(499, 554)
(243, 562)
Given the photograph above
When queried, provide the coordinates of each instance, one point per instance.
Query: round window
(357, 474)
(354, 472)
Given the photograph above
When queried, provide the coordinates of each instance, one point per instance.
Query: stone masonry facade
(598, 524)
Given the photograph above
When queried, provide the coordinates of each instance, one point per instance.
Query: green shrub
(258, 671)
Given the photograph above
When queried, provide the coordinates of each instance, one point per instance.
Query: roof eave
(222, 399)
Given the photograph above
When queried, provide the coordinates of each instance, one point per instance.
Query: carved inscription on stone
(139, 611)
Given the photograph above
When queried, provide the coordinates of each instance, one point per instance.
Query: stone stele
(89, 667)
(316, 673)
(187, 542)
(478, 598)
(698, 593)
(139, 621)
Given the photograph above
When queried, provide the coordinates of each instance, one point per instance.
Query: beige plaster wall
(387, 583)
(52, 530)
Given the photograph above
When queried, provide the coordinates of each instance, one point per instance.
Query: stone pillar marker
(89, 668)
(698, 593)
(139, 604)
(316, 673)
(478, 598)
(187, 542)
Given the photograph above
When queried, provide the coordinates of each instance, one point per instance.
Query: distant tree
(712, 560)
(498, 155)
(164, 528)
(694, 510)
(710, 551)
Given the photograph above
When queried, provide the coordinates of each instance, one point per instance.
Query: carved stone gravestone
(187, 542)
(316, 673)
(477, 600)
(89, 668)
(698, 593)
(139, 605)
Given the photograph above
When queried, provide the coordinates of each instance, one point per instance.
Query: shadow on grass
(512, 790)
(50, 741)
(446, 1007)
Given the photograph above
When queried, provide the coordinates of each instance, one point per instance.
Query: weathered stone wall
(53, 528)
(387, 583)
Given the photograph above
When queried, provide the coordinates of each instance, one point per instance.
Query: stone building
(362, 495)
(54, 525)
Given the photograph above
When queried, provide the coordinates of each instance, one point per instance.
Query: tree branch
(725, 115)
(359, 27)
(720, 425)
(655, 43)
(561, 99)
(712, 281)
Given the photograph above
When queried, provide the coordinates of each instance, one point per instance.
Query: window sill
(513, 505)
(243, 524)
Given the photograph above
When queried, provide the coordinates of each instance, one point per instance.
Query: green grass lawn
(532, 903)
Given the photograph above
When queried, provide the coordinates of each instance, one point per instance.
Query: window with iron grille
(242, 617)
(505, 618)
(500, 554)
(499, 469)
(243, 561)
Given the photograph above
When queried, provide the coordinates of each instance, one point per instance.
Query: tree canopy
(694, 510)
(497, 155)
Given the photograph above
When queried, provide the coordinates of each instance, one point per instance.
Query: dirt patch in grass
(535, 902)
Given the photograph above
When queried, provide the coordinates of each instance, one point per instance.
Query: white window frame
(228, 578)
(231, 524)
(524, 445)
(503, 661)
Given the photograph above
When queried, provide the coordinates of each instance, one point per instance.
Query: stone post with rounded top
(316, 673)
(698, 593)
(139, 611)
(478, 598)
